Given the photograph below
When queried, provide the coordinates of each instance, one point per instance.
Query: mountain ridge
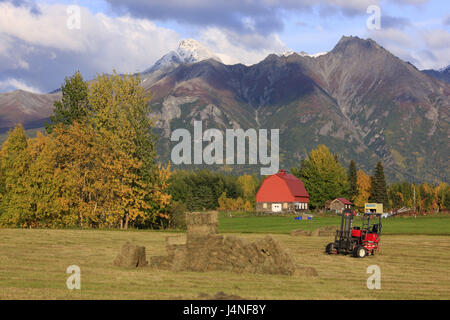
(359, 99)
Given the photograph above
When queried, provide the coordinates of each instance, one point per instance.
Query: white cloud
(15, 84)
(426, 49)
(44, 45)
(248, 49)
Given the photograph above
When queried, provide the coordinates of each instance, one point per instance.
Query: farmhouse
(282, 192)
(339, 204)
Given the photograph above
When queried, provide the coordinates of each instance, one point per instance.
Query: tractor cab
(359, 240)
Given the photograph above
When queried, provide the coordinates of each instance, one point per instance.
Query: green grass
(427, 225)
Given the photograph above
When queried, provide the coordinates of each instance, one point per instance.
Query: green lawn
(429, 225)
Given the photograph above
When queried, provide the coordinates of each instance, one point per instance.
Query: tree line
(325, 179)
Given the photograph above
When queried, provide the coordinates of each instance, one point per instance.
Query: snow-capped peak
(191, 50)
(314, 55)
(188, 51)
(286, 53)
(301, 53)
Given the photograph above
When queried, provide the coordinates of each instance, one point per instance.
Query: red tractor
(359, 241)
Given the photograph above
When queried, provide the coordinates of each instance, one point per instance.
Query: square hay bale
(300, 232)
(131, 256)
(175, 240)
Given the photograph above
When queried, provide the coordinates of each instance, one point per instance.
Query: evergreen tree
(379, 188)
(352, 181)
(73, 105)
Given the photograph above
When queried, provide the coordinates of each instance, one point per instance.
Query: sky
(44, 41)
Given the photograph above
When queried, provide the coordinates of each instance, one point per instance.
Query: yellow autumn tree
(363, 182)
(248, 185)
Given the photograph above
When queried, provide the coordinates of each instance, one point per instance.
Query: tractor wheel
(330, 248)
(360, 252)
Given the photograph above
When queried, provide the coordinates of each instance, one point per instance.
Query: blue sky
(37, 49)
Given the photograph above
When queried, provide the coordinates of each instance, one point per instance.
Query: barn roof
(282, 187)
(294, 184)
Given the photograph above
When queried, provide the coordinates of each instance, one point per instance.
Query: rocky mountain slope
(358, 99)
(24, 107)
(442, 74)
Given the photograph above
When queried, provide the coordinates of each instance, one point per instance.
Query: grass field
(33, 265)
(426, 225)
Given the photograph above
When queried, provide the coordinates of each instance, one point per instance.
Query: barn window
(264, 205)
(285, 205)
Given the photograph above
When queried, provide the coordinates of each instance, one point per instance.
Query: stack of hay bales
(201, 224)
(327, 231)
(206, 250)
(131, 256)
(300, 232)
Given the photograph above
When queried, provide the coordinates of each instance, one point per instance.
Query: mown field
(33, 265)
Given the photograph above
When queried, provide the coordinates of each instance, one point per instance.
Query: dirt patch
(131, 256)
(205, 250)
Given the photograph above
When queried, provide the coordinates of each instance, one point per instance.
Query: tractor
(358, 241)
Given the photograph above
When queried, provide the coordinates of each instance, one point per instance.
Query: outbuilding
(282, 192)
(339, 204)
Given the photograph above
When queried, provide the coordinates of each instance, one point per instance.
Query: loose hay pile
(131, 256)
(205, 250)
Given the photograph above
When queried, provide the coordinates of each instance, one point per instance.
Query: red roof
(343, 200)
(282, 187)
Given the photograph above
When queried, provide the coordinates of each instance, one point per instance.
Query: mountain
(360, 100)
(30, 109)
(363, 102)
(188, 51)
(442, 74)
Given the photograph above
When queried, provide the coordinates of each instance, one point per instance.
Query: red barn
(282, 192)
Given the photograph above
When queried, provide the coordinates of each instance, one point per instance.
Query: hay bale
(202, 223)
(175, 240)
(276, 259)
(326, 231)
(205, 250)
(300, 232)
(131, 256)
